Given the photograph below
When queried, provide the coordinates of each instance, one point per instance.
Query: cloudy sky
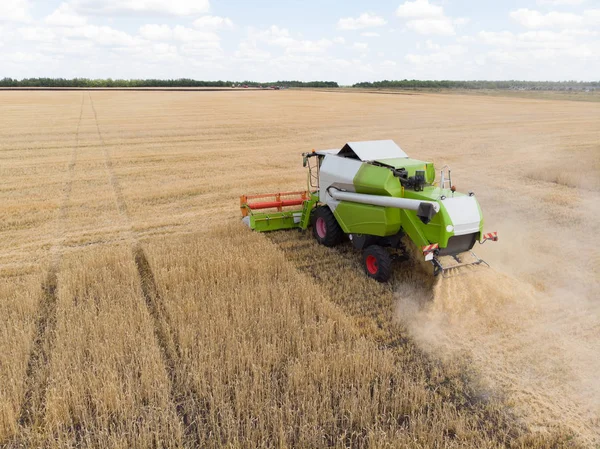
(349, 41)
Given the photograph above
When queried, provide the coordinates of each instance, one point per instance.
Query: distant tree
(478, 84)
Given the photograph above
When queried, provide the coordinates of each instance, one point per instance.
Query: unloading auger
(374, 194)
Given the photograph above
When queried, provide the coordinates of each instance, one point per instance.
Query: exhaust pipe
(425, 209)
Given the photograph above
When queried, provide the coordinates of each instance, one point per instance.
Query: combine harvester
(375, 194)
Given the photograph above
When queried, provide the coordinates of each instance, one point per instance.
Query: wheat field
(136, 311)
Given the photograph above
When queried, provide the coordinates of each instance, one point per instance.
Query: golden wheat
(135, 311)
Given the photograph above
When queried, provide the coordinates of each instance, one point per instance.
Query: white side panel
(338, 172)
(464, 213)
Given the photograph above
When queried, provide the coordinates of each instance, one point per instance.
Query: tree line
(509, 84)
(181, 82)
(385, 84)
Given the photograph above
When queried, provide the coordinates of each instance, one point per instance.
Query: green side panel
(366, 219)
(435, 230)
(429, 173)
(413, 227)
(274, 221)
(375, 180)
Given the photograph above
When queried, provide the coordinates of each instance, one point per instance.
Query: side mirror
(304, 161)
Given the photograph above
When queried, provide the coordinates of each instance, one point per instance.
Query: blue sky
(264, 40)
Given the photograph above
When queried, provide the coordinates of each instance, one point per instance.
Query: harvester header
(374, 194)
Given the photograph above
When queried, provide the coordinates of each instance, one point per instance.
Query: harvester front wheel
(378, 263)
(326, 229)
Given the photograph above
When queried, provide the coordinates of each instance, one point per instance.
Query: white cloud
(185, 34)
(17, 11)
(542, 54)
(465, 39)
(591, 17)
(430, 45)
(155, 32)
(281, 37)
(64, 15)
(20, 57)
(307, 46)
(426, 18)
(273, 35)
(171, 7)
(551, 44)
(101, 35)
(213, 22)
(534, 19)
(203, 50)
(419, 9)
(179, 33)
(39, 34)
(365, 20)
(248, 51)
(443, 55)
(560, 2)
(442, 27)
(502, 38)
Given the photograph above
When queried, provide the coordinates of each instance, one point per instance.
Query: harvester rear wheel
(378, 263)
(326, 229)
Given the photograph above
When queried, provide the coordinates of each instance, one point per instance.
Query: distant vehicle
(245, 86)
(275, 87)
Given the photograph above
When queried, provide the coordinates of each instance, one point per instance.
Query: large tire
(326, 229)
(377, 263)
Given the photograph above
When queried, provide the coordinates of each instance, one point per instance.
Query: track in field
(181, 392)
(37, 373)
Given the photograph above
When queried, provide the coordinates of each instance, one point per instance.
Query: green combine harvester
(377, 196)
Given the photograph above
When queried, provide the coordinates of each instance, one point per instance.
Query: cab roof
(370, 150)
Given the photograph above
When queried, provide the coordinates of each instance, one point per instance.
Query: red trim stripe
(430, 248)
(490, 236)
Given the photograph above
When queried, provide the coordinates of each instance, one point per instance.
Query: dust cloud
(529, 327)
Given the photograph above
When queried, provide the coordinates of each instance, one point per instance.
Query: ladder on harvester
(307, 209)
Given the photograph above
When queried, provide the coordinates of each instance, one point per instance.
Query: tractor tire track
(38, 365)
(182, 394)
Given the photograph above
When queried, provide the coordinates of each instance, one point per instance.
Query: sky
(344, 41)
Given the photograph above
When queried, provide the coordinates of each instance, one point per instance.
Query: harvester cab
(374, 194)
